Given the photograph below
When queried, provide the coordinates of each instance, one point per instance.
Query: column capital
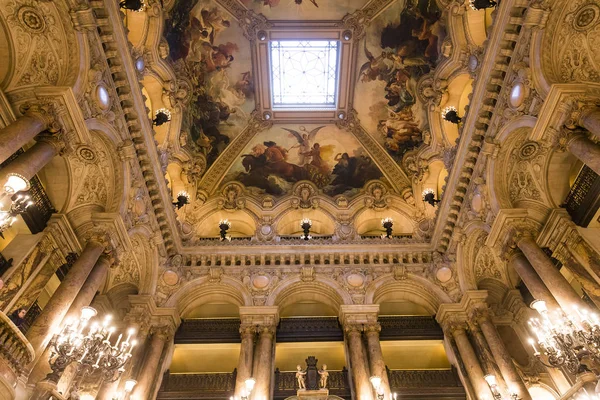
(372, 329)
(247, 331)
(46, 111)
(358, 314)
(56, 140)
(164, 332)
(259, 315)
(266, 330)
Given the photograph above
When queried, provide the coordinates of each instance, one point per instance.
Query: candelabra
(17, 207)
(245, 394)
(224, 226)
(90, 346)
(306, 224)
(183, 198)
(124, 395)
(450, 114)
(387, 224)
(429, 197)
(162, 116)
(569, 340)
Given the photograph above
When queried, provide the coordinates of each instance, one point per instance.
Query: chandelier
(17, 207)
(90, 346)
(565, 340)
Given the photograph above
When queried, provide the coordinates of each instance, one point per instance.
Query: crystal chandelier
(90, 346)
(18, 206)
(569, 340)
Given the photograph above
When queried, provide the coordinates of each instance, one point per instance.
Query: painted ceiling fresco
(209, 45)
(304, 9)
(329, 157)
(401, 45)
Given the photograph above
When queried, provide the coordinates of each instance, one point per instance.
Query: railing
(309, 329)
(208, 331)
(409, 328)
(286, 384)
(197, 386)
(583, 199)
(5, 264)
(15, 350)
(426, 384)
(33, 312)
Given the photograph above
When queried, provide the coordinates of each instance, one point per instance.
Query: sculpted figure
(300, 377)
(324, 374)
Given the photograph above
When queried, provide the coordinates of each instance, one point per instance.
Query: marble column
(502, 357)
(376, 362)
(585, 150)
(532, 280)
(84, 298)
(360, 375)
(264, 365)
(21, 131)
(469, 358)
(590, 120)
(33, 160)
(558, 285)
(151, 363)
(244, 368)
(47, 322)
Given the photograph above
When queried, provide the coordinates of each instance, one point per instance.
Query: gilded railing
(14, 347)
(583, 199)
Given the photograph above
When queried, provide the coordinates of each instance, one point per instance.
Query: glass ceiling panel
(304, 73)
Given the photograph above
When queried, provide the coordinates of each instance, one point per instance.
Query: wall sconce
(132, 5)
(429, 197)
(482, 4)
(450, 114)
(162, 116)
(15, 183)
(387, 224)
(376, 382)
(224, 226)
(491, 381)
(306, 224)
(250, 382)
(129, 385)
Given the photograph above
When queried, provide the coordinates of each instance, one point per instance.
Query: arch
(118, 297)
(495, 288)
(201, 291)
(147, 258)
(415, 289)
(368, 222)
(323, 290)
(7, 55)
(56, 178)
(243, 224)
(561, 171)
(288, 223)
(477, 23)
(458, 91)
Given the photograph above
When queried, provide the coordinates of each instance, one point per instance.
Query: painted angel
(304, 139)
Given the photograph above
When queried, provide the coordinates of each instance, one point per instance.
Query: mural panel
(304, 9)
(401, 46)
(325, 155)
(208, 46)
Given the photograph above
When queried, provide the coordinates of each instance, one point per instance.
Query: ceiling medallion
(586, 17)
(31, 19)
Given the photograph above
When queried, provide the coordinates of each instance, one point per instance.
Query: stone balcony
(15, 354)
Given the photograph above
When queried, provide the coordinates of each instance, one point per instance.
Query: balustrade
(15, 351)
(583, 199)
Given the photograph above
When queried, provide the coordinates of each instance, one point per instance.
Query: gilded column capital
(353, 329)
(46, 111)
(247, 331)
(372, 329)
(266, 330)
(164, 332)
(56, 140)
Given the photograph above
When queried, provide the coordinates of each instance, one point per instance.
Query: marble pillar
(244, 368)
(376, 362)
(84, 298)
(558, 285)
(32, 161)
(360, 375)
(21, 131)
(590, 120)
(147, 374)
(585, 150)
(532, 280)
(264, 364)
(502, 357)
(469, 358)
(47, 322)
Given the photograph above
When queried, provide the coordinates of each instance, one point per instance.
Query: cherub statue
(324, 374)
(300, 376)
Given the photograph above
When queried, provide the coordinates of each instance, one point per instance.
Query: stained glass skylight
(304, 73)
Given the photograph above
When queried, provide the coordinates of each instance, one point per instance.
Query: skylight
(304, 73)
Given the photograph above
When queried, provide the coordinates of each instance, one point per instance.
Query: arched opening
(457, 96)
(242, 224)
(368, 222)
(478, 24)
(6, 56)
(289, 224)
